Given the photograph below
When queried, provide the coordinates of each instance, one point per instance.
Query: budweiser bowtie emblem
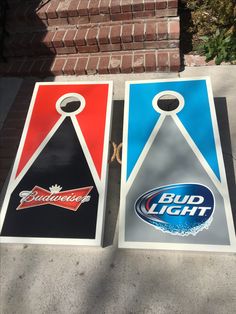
(70, 199)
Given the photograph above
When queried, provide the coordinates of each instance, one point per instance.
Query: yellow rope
(118, 149)
(114, 151)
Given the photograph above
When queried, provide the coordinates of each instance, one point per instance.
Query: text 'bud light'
(179, 209)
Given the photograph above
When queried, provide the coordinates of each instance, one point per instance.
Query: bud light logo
(179, 209)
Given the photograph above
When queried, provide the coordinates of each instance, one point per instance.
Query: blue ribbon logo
(179, 209)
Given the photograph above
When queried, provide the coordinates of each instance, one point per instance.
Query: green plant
(213, 29)
(221, 46)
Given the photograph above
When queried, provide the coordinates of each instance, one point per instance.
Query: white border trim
(101, 184)
(68, 95)
(222, 186)
(164, 93)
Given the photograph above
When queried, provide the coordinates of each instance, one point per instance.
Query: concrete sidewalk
(56, 279)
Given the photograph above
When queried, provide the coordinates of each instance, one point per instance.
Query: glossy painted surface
(165, 148)
(58, 184)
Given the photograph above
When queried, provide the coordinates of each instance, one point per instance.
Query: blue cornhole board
(174, 192)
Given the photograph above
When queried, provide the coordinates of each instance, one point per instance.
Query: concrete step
(74, 12)
(138, 61)
(117, 36)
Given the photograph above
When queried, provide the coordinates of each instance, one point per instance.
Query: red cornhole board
(57, 189)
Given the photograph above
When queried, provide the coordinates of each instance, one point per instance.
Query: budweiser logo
(70, 199)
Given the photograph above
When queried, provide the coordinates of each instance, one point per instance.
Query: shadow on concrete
(113, 193)
(223, 123)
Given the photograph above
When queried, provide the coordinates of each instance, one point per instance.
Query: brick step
(102, 63)
(154, 34)
(73, 12)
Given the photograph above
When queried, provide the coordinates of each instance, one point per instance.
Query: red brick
(47, 67)
(143, 14)
(149, 5)
(92, 65)
(115, 64)
(57, 22)
(137, 5)
(35, 40)
(150, 62)
(62, 9)
(121, 16)
(115, 6)
(88, 49)
(83, 7)
(16, 67)
(91, 37)
(99, 18)
(103, 65)
(139, 32)
(162, 30)
(174, 29)
(26, 67)
(80, 37)
(20, 52)
(73, 20)
(93, 7)
(127, 32)
(160, 44)
(126, 6)
(58, 66)
(65, 50)
(110, 47)
(150, 33)
(81, 64)
(126, 64)
(103, 36)
(138, 63)
(172, 4)
(36, 68)
(161, 5)
(104, 6)
(51, 10)
(174, 61)
(133, 46)
(24, 40)
(72, 10)
(41, 13)
(43, 51)
(57, 40)
(163, 61)
(69, 66)
(69, 38)
(115, 34)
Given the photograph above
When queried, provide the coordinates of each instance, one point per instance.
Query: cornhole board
(174, 191)
(57, 189)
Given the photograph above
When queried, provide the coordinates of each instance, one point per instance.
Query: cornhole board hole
(174, 191)
(57, 189)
